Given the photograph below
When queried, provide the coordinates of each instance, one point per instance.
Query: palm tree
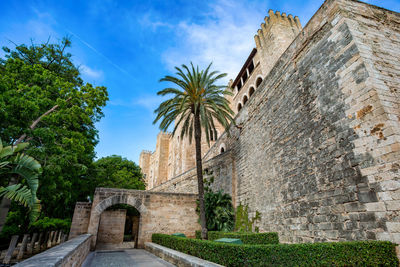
(12, 164)
(195, 105)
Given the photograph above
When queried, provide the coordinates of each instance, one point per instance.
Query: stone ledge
(58, 255)
(177, 258)
(139, 192)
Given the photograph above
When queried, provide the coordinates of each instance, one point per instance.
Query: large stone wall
(316, 150)
(111, 227)
(220, 167)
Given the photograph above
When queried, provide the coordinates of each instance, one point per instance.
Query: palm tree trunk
(199, 168)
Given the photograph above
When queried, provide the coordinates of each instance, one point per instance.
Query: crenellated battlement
(275, 19)
(146, 152)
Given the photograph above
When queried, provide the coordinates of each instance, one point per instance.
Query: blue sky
(128, 46)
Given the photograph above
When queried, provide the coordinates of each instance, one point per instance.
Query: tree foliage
(218, 208)
(117, 172)
(43, 100)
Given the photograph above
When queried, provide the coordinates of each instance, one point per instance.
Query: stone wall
(159, 212)
(316, 149)
(80, 220)
(111, 227)
(70, 253)
(220, 167)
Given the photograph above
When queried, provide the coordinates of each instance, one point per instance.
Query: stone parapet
(71, 253)
(177, 258)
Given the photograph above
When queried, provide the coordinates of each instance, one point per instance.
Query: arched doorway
(118, 228)
(110, 202)
(155, 216)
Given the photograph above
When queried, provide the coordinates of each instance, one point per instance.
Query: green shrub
(49, 224)
(247, 238)
(198, 234)
(355, 253)
(243, 223)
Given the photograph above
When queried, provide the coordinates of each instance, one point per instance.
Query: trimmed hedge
(354, 253)
(247, 238)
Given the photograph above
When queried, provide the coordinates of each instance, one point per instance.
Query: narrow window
(239, 107)
(251, 67)
(251, 91)
(245, 100)
(258, 82)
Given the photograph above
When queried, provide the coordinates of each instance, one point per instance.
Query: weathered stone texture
(68, 254)
(220, 167)
(80, 220)
(159, 212)
(316, 149)
(111, 227)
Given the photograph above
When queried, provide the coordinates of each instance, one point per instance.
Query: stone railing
(27, 245)
(177, 258)
(70, 253)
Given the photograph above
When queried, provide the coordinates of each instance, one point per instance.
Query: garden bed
(246, 237)
(354, 253)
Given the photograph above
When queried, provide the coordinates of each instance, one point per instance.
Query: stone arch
(108, 202)
(259, 81)
(239, 106)
(245, 99)
(251, 91)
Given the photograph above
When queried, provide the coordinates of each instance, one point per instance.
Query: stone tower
(274, 37)
(144, 163)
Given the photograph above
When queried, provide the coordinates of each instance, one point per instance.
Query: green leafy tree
(195, 104)
(12, 164)
(117, 172)
(43, 100)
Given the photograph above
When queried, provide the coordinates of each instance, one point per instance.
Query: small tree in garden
(195, 104)
(218, 208)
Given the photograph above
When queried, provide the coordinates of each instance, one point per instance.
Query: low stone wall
(177, 258)
(71, 253)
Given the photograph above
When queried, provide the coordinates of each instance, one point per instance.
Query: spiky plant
(196, 103)
(12, 163)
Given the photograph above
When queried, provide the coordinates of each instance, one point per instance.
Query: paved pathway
(124, 258)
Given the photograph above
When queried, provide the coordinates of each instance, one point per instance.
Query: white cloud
(91, 73)
(149, 102)
(151, 20)
(224, 37)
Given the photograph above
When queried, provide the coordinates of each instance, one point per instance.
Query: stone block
(393, 227)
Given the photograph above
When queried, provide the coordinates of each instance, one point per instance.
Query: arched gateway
(159, 212)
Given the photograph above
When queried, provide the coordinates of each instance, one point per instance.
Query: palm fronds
(26, 167)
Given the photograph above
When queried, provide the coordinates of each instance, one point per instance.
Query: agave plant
(14, 163)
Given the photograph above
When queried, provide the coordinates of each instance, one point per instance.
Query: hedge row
(356, 253)
(247, 238)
